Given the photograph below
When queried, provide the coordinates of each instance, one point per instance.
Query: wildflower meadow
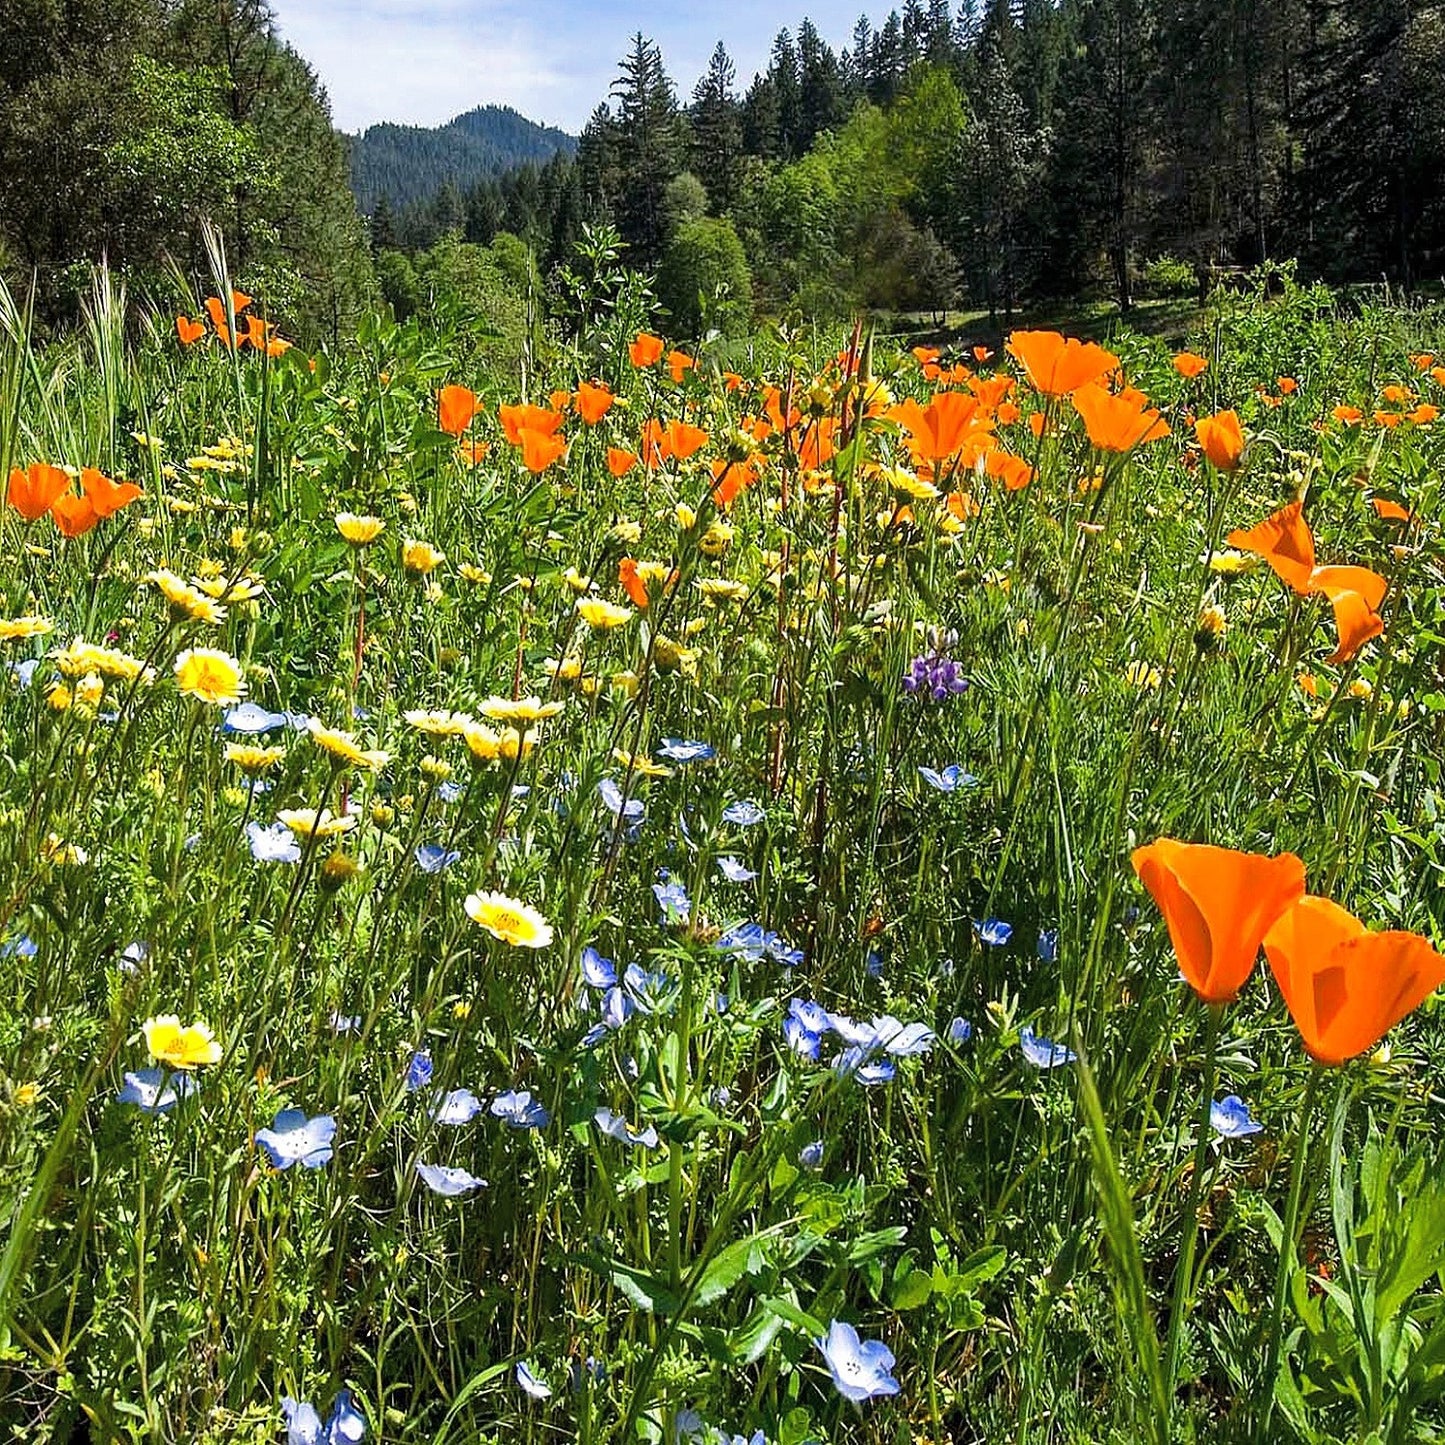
(793, 888)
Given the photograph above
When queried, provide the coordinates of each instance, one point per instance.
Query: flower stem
(1184, 1271)
(1288, 1251)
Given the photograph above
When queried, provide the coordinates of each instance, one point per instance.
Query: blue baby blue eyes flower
(801, 1039)
(743, 814)
(460, 1106)
(680, 750)
(1230, 1117)
(859, 1367)
(345, 1426)
(753, 942)
(949, 779)
(597, 972)
(20, 946)
(448, 1182)
(450, 792)
(673, 901)
(519, 1110)
(960, 1031)
(433, 858)
(630, 810)
(734, 871)
(341, 1023)
(1044, 1053)
(616, 1127)
(25, 671)
(1048, 944)
(531, 1383)
(253, 719)
(133, 956)
(994, 931)
(810, 1156)
(156, 1091)
(295, 1139)
(418, 1071)
(813, 1016)
(273, 843)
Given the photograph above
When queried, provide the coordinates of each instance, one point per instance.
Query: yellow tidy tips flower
(1361, 688)
(910, 484)
(435, 768)
(26, 1096)
(437, 724)
(57, 850)
(188, 604)
(672, 656)
(180, 1047)
(253, 760)
(625, 683)
(508, 920)
(17, 629)
(338, 869)
(239, 589)
(1143, 675)
(641, 764)
(520, 711)
(359, 531)
(81, 658)
(514, 744)
(344, 747)
(58, 697)
(308, 823)
(89, 690)
(567, 669)
(717, 539)
(602, 615)
(626, 534)
(575, 580)
(722, 589)
(210, 676)
(686, 516)
(420, 558)
(1230, 563)
(477, 576)
(484, 744)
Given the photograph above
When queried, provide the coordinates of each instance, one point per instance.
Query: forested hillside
(410, 163)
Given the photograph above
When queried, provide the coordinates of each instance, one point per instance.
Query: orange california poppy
(455, 408)
(73, 515)
(1438, 372)
(559, 400)
(540, 449)
(1007, 413)
(1422, 361)
(593, 402)
(679, 363)
(733, 479)
(653, 443)
(1390, 511)
(473, 453)
(33, 492)
(646, 350)
(1189, 365)
(620, 462)
(1347, 415)
(925, 354)
(1218, 905)
(940, 429)
(732, 381)
(1285, 541)
(1346, 988)
(1396, 394)
(1355, 593)
(1388, 419)
(991, 390)
(961, 506)
(816, 447)
(1287, 385)
(105, 496)
(258, 333)
(773, 408)
(189, 331)
(634, 586)
(982, 354)
(523, 417)
(1057, 365)
(1222, 439)
(1424, 414)
(1014, 472)
(216, 310)
(1117, 423)
(684, 440)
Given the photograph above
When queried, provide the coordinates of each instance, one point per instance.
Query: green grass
(1014, 1235)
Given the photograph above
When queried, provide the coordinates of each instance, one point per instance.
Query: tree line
(1013, 149)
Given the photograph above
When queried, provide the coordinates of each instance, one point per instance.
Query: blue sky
(424, 61)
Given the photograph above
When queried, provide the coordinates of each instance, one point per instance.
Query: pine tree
(648, 146)
(717, 130)
(820, 83)
(783, 72)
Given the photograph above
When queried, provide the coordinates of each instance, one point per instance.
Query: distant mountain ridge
(409, 163)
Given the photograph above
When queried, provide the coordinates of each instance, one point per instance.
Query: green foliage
(703, 280)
